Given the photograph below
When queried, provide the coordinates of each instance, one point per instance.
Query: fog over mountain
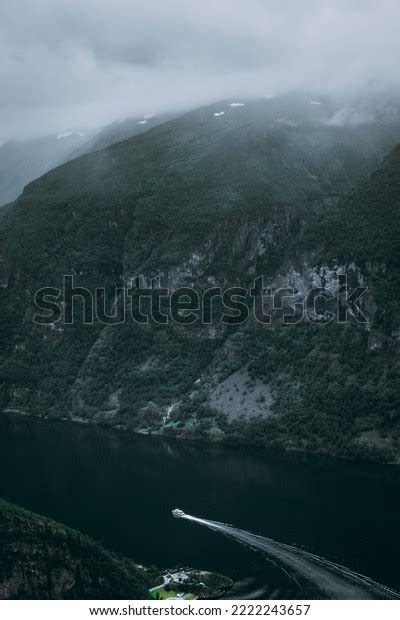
(67, 63)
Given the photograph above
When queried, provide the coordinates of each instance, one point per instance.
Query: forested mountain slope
(22, 161)
(42, 559)
(209, 200)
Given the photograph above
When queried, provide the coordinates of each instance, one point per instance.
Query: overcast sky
(68, 63)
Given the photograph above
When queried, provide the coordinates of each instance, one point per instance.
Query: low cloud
(68, 63)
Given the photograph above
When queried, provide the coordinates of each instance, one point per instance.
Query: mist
(68, 63)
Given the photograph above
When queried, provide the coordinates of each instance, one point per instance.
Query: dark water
(120, 489)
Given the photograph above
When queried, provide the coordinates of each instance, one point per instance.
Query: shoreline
(279, 451)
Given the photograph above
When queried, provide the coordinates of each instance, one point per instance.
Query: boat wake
(315, 576)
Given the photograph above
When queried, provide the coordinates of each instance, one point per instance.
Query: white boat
(177, 512)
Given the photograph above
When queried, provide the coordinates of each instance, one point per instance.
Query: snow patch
(218, 113)
(315, 103)
(236, 105)
(65, 134)
(142, 122)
